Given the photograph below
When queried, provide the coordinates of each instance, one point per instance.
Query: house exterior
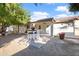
(48, 25)
(42, 24)
(51, 22)
(74, 20)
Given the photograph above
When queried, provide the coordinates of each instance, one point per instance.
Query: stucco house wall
(76, 27)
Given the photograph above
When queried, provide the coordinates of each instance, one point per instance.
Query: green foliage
(13, 14)
(74, 7)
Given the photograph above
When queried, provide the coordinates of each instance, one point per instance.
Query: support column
(51, 30)
(73, 28)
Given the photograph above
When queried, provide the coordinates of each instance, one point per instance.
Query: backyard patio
(35, 34)
(16, 45)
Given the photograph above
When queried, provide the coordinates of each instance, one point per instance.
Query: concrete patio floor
(15, 45)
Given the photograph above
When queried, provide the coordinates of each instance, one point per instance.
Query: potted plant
(61, 35)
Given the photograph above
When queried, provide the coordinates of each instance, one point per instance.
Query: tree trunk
(18, 28)
(3, 30)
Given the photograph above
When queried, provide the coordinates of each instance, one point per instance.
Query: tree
(74, 7)
(12, 14)
(21, 17)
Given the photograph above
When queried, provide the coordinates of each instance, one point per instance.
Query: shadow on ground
(4, 40)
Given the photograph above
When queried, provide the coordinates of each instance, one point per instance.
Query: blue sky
(47, 10)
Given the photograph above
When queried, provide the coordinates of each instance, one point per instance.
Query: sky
(49, 10)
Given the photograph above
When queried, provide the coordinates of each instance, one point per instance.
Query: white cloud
(62, 8)
(62, 15)
(39, 15)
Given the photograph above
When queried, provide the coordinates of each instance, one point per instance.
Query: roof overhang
(44, 20)
(66, 19)
(58, 20)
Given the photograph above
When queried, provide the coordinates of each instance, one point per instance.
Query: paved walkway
(15, 45)
(12, 44)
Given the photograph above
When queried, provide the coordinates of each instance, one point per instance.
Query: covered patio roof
(51, 21)
(66, 19)
(58, 20)
(44, 20)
